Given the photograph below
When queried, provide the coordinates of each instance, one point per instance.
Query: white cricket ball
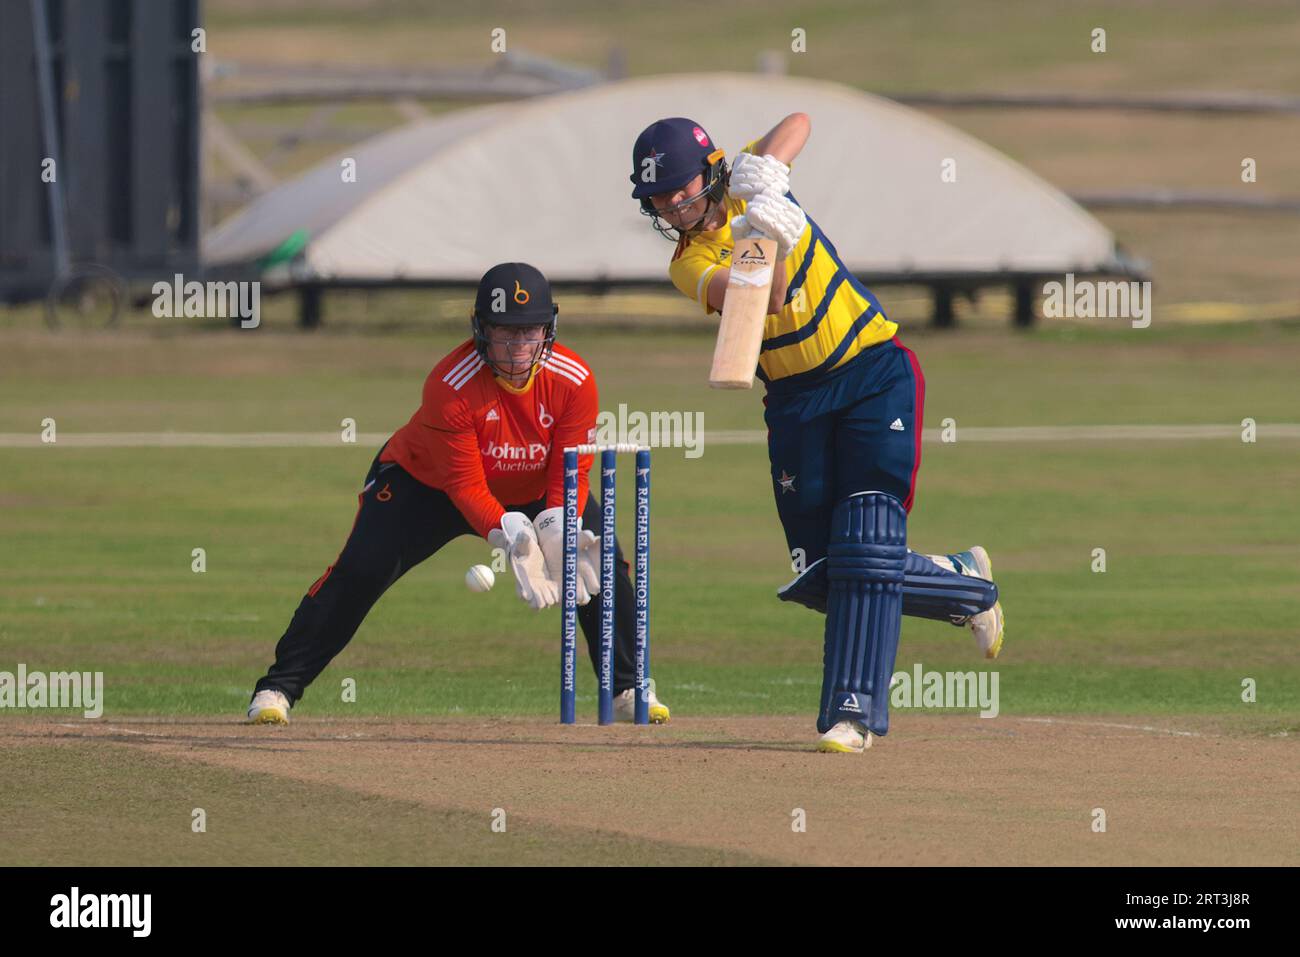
(479, 578)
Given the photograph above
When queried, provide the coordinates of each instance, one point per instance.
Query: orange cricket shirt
(492, 447)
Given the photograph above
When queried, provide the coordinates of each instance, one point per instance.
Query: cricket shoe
(268, 707)
(847, 737)
(625, 706)
(987, 626)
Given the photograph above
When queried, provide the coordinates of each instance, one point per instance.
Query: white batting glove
(517, 536)
(751, 175)
(775, 217)
(549, 526)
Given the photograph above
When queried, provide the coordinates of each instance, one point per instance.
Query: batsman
(482, 455)
(843, 407)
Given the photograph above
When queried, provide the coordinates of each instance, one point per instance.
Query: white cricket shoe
(847, 737)
(987, 626)
(268, 707)
(625, 706)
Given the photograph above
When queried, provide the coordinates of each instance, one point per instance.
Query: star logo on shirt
(787, 482)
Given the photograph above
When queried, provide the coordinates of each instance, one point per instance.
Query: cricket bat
(740, 334)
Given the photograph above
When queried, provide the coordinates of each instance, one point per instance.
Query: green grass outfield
(1201, 536)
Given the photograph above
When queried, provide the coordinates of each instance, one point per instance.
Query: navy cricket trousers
(858, 429)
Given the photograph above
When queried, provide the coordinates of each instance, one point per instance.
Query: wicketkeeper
(843, 409)
(482, 455)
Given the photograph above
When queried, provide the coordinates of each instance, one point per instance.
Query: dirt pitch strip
(939, 790)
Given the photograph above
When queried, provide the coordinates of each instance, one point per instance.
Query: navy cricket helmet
(667, 155)
(513, 294)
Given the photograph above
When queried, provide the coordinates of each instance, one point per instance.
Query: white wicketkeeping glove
(517, 537)
(775, 217)
(589, 560)
(751, 175)
(550, 534)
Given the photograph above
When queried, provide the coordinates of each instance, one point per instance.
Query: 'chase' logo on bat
(752, 254)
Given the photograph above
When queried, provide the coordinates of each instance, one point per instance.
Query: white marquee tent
(546, 181)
